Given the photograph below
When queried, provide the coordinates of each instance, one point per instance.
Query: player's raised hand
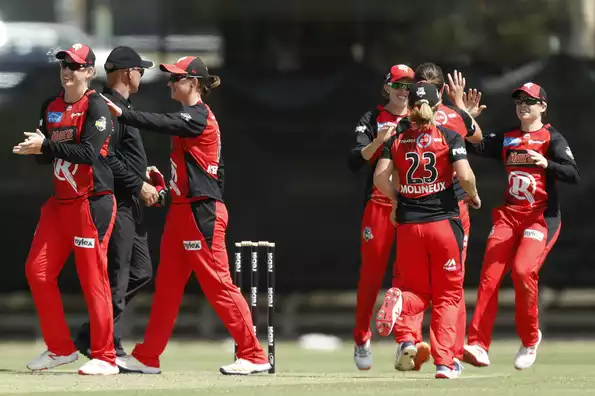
(455, 88)
(31, 145)
(472, 100)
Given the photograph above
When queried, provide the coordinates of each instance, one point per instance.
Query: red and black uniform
(525, 227)
(79, 216)
(411, 327)
(194, 234)
(377, 232)
(430, 233)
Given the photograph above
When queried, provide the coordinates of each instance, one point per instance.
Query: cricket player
(73, 136)
(429, 233)
(377, 232)
(536, 156)
(194, 236)
(461, 119)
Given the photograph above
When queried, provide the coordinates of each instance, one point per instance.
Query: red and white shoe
(389, 312)
(423, 355)
(98, 367)
(476, 356)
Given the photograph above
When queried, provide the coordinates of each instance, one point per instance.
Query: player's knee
(35, 275)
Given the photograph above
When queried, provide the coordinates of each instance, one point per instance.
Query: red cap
(398, 72)
(80, 53)
(533, 90)
(190, 65)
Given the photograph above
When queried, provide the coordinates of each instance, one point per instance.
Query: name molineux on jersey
(423, 188)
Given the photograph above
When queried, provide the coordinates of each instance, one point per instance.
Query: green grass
(192, 369)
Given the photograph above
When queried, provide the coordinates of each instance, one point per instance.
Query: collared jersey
(531, 187)
(77, 138)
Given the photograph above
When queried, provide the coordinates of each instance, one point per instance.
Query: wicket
(269, 252)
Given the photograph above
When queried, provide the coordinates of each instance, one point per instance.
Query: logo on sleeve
(459, 151)
(192, 245)
(569, 153)
(85, 243)
(101, 124)
(360, 128)
(55, 116)
(185, 116)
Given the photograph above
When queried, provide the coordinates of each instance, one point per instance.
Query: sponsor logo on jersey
(63, 134)
(422, 189)
(424, 140)
(408, 141)
(86, 243)
(367, 234)
(509, 142)
(518, 158)
(192, 245)
(55, 116)
(531, 141)
(459, 151)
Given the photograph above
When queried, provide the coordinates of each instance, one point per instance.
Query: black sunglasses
(71, 65)
(529, 101)
(398, 85)
(174, 78)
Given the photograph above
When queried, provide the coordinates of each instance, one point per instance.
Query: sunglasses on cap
(71, 65)
(398, 85)
(528, 100)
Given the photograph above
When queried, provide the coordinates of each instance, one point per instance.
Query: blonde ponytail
(422, 114)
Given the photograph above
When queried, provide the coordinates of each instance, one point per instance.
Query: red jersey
(77, 135)
(423, 160)
(530, 187)
(366, 131)
(196, 149)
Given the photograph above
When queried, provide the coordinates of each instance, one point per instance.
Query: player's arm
(365, 144)
(460, 163)
(44, 158)
(489, 147)
(474, 134)
(122, 174)
(560, 159)
(190, 122)
(384, 172)
(95, 131)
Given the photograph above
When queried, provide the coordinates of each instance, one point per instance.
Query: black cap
(80, 53)
(424, 91)
(125, 58)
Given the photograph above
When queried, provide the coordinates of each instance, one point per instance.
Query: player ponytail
(205, 89)
(422, 114)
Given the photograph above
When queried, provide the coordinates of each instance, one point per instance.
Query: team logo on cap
(421, 91)
(528, 85)
(181, 59)
(77, 46)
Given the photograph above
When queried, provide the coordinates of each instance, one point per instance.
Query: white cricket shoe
(48, 360)
(476, 356)
(406, 353)
(98, 367)
(362, 355)
(526, 356)
(244, 367)
(443, 372)
(131, 364)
